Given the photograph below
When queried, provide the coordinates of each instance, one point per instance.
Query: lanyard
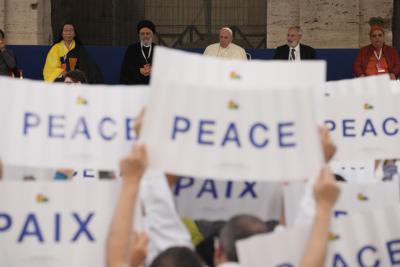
(380, 55)
(148, 55)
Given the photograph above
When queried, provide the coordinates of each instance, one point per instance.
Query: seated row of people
(68, 53)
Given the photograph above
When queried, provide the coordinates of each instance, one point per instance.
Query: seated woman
(377, 58)
(69, 54)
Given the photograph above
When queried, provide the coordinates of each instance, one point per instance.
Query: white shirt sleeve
(163, 224)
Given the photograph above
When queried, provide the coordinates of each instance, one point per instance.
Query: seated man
(7, 58)
(377, 57)
(225, 48)
(136, 67)
(294, 50)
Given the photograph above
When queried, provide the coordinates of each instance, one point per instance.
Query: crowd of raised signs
(164, 219)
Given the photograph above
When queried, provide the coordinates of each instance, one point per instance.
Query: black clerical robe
(135, 58)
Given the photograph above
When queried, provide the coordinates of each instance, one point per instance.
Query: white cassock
(232, 51)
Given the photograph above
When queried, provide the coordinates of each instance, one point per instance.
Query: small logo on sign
(40, 198)
(232, 105)
(81, 101)
(333, 237)
(368, 106)
(362, 197)
(235, 76)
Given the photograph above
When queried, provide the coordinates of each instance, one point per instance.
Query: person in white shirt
(165, 230)
(225, 48)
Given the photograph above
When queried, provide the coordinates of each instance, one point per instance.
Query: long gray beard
(146, 44)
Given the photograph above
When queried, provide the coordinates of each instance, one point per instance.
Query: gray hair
(296, 28)
(239, 227)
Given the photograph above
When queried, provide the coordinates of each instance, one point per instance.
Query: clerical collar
(145, 45)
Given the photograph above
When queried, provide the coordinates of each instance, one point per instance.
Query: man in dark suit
(294, 50)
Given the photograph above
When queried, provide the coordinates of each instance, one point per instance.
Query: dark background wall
(111, 22)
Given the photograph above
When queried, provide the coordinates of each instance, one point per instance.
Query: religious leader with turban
(136, 67)
(377, 58)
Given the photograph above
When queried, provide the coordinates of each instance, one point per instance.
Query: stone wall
(326, 23)
(26, 21)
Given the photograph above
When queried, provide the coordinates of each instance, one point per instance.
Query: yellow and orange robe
(53, 67)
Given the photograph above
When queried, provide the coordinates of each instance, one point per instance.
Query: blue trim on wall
(31, 59)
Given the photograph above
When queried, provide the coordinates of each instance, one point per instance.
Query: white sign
(366, 197)
(66, 126)
(210, 199)
(354, 197)
(233, 134)
(363, 118)
(280, 249)
(55, 224)
(171, 65)
(370, 239)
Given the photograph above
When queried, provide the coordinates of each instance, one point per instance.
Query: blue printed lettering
(339, 213)
(30, 120)
(129, 129)
(208, 187)
(337, 258)
(81, 128)
(57, 228)
(360, 258)
(31, 220)
(347, 126)
(384, 126)
(88, 173)
(282, 134)
(83, 227)
(181, 185)
(231, 137)
(106, 137)
(53, 125)
(181, 125)
(8, 222)
(252, 133)
(393, 248)
(330, 125)
(203, 132)
(368, 128)
(248, 189)
(228, 191)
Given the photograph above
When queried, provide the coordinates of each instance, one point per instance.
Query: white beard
(146, 44)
